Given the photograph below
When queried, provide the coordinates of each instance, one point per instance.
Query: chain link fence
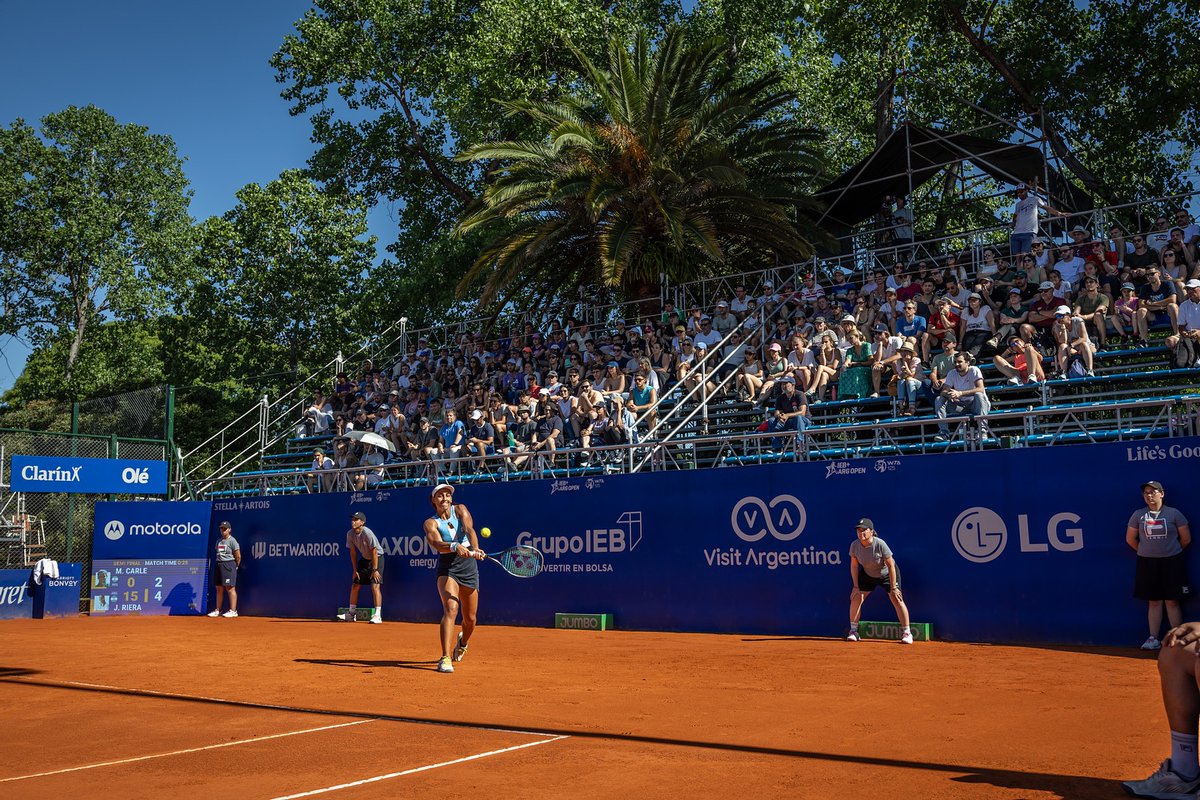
(57, 525)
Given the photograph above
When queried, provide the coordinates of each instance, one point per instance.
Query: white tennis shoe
(907, 638)
(230, 613)
(444, 664)
(460, 652)
(1152, 644)
(214, 613)
(852, 636)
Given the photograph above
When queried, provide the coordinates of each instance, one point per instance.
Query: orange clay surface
(164, 707)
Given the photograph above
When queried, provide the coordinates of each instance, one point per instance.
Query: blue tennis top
(450, 529)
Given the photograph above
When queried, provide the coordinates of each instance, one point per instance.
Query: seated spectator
(391, 426)
(453, 436)
(322, 477)
(481, 439)
(1126, 316)
(1092, 307)
(367, 478)
(789, 413)
(827, 368)
(1072, 344)
(911, 326)
(520, 438)
(910, 376)
(1173, 268)
(1185, 345)
(855, 380)
(547, 428)
(956, 293)
(890, 309)
(802, 362)
(962, 394)
(1020, 361)
(939, 367)
(642, 401)
(944, 320)
(1159, 300)
(318, 416)
(1040, 318)
(977, 326)
(424, 444)
(696, 371)
(614, 386)
(773, 370)
(749, 378)
(722, 321)
(886, 350)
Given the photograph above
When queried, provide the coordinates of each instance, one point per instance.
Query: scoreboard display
(149, 586)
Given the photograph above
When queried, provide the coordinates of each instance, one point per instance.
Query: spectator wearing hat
(940, 366)
(1072, 343)
(962, 393)
(872, 566)
(1027, 286)
(723, 322)
(840, 288)
(1126, 316)
(890, 309)
(828, 362)
(766, 294)
(391, 426)
(696, 371)
(547, 428)
(789, 412)
(910, 375)
(1159, 534)
(615, 384)
(1081, 242)
(1159, 299)
(520, 437)
(1185, 345)
(1039, 323)
(371, 469)
(886, 349)
(775, 368)
(749, 378)
(366, 560)
(322, 476)
(1020, 361)
(855, 380)
(480, 438)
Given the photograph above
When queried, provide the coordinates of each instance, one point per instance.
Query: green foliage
(95, 228)
(283, 270)
(679, 168)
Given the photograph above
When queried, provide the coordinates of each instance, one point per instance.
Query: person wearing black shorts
(451, 532)
(367, 561)
(1159, 534)
(225, 567)
(872, 565)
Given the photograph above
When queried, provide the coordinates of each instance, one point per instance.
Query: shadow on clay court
(1068, 787)
(359, 662)
(1085, 649)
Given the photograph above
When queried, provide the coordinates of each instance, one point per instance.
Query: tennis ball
(486, 532)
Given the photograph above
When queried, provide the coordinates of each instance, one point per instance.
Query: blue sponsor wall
(1011, 545)
(88, 475)
(16, 594)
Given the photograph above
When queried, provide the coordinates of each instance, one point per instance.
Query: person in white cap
(1025, 225)
(722, 321)
(1185, 345)
(481, 438)
(1071, 338)
(451, 532)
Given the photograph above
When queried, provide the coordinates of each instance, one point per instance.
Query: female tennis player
(451, 532)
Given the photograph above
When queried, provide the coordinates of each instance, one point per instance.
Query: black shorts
(225, 574)
(363, 575)
(868, 584)
(1161, 578)
(465, 571)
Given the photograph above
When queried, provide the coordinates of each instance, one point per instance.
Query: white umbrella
(371, 438)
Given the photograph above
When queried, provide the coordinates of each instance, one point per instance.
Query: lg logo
(980, 535)
(784, 517)
(114, 530)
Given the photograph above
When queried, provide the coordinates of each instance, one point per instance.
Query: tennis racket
(520, 561)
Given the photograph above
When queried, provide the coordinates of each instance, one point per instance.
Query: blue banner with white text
(88, 475)
(1020, 545)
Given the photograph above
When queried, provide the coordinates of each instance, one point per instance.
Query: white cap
(1192, 284)
(439, 487)
(476, 414)
(1062, 310)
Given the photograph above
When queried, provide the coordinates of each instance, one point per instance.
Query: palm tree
(677, 168)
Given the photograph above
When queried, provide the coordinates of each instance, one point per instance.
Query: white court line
(182, 752)
(272, 706)
(414, 770)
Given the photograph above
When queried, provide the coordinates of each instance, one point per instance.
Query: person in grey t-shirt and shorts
(1159, 534)
(871, 566)
(367, 561)
(225, 566)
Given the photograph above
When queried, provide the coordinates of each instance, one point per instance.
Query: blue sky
(197, 72)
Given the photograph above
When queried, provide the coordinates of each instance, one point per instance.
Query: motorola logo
(114, 530)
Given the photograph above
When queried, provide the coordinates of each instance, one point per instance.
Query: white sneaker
(906, 638)
(230, 613)
(1152, 644)
(460, 651)
(1163, 784)
(214, 613)
(852, 636)
(376, 619)
(444, 664)
(1014, 380)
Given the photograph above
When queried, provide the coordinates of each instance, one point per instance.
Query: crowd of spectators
(916, 329)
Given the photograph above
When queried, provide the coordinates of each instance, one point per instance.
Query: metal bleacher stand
(22, 535)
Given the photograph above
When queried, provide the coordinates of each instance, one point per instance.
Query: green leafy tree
(95, 228)
(679, 168)
(285, 270)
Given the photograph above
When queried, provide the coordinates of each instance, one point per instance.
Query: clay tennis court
(269, 708)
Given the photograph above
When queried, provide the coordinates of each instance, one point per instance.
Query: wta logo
(114, 530)
(784, 518)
